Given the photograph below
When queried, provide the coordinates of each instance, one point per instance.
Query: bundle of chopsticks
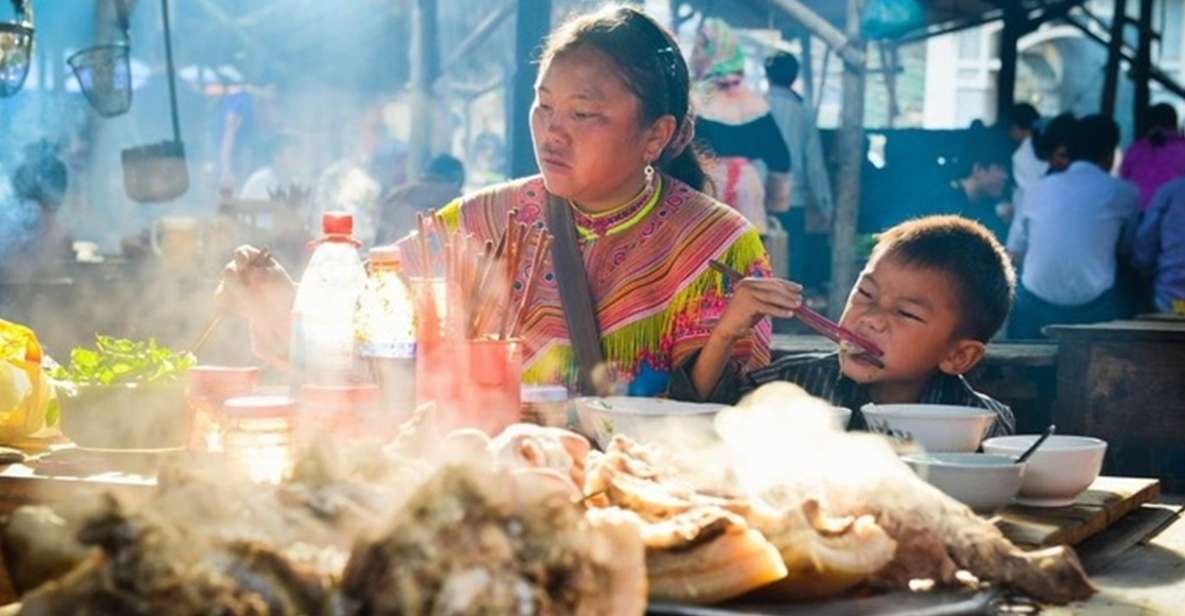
(479, 275)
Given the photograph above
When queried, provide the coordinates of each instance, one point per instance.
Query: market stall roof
(941, 15)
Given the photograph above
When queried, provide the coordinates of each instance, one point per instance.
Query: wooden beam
(850, 50)
(1166, 81)
(531, 24)
(1142, 69)
(479, 34)
(1114, 52)
(425, 69)
(850, 151)
(1015, 25)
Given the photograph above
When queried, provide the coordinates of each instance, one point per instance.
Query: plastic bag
(28, 402)
(887, 19)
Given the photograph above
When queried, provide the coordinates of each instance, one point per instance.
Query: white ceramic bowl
(842, 416)
(643, 419)
(937, 428)
(1061, 469)
(983, 482)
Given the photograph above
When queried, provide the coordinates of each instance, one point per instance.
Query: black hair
(1057, 133)
(1094, 139)
(971, 258)
(446, 169)
(781, 69)
(984, 147)
(1160, 121)
(42, 176)
(1023, 115)
(650, 64)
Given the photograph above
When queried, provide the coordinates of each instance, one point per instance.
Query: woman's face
(586, 126)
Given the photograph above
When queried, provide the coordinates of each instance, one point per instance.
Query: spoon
(1048, 433)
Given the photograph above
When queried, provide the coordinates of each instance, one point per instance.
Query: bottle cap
(337, 223)
(386, 255)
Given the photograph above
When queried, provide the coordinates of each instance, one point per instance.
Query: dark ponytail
(650, 63)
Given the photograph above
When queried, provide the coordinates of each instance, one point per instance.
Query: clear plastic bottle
(322, 342)
(384, 324)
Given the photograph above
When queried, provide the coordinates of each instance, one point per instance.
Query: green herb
(121, 361)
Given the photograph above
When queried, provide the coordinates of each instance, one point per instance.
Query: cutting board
(1106, 501)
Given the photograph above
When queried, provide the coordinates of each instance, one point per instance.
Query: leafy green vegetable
(122, 361)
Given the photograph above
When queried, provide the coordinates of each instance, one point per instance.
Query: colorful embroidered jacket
(656, 298)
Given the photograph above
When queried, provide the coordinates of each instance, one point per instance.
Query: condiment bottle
(546, 405)
(322, 345)
(206, 389)
(259, 435)
(385, 328)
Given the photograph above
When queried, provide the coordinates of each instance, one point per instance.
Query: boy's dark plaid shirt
(819, 375)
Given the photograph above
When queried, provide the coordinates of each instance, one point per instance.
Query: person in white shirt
(1027, 166)
(1073, 228)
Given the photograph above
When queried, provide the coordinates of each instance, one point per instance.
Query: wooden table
(1124, 382)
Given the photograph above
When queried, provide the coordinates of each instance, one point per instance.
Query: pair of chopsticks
(262, 259)
(821, 324)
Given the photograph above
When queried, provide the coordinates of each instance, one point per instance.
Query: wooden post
(1014, 26)
(425, 68)
(532, 22)
(806, 72)
(850, 152)
(1142, 69)
(1114, 51)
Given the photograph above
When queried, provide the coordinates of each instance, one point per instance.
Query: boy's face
(911, 313)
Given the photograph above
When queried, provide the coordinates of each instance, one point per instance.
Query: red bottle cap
(337, 223)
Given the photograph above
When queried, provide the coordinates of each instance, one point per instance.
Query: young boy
(934, 291)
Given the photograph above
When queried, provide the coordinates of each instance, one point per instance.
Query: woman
(1157, 157)
(611, 124)
(735, 123)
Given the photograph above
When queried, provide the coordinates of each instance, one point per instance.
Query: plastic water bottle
(384, 324)
(322, 350)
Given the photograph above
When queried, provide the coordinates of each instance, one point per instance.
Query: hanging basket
(16, 51)
(105, 75)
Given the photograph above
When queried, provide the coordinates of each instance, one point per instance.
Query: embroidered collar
(594, 226)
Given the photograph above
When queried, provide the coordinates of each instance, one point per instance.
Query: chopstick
(826, 327)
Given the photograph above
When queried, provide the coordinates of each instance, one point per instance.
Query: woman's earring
(649, 172)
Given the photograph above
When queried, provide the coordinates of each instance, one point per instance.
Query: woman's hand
(754, 299)
(255, 287)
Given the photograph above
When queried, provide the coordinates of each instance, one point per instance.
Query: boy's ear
(963, 356)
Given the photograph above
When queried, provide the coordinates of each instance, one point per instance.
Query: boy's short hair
(977, 266)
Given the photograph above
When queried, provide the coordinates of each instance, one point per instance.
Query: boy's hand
(754, 299)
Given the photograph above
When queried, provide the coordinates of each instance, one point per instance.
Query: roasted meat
(150, 568)
(860, 475)
(472, 541)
